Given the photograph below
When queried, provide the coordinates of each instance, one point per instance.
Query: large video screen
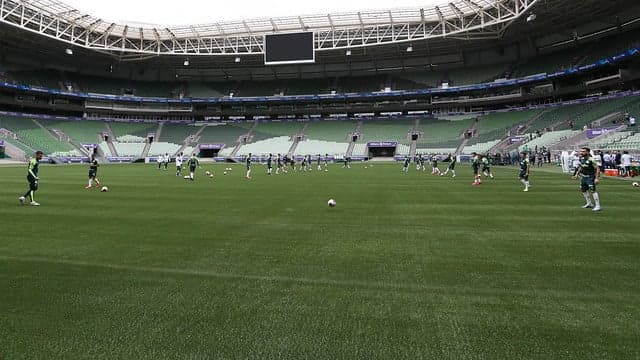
(292, 48)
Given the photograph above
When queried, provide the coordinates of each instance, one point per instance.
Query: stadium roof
(56, 8)
(189, 12)
(473, 18)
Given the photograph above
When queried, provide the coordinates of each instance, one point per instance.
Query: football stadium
(449, 180)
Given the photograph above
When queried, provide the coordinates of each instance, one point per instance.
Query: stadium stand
(161, 148)
(129, 149)
(359, 149)
(609, 141)
(99, 85)
(81, 131)
(603, 48)
(42, 78)
(547, 139)
(35, 137)
(154, 89)
(337, 131)
(74, 152)
(221, 134)
(224, 152)
(265, 130)
(106, 85)
(190, 150)
(554, 116)
(442, 134)
(131, 139)
(135, 129)
(321, 147)
(594, 111)
(630, 142)
(633, 107)
(545, 63)
(476, 74)
(436, 151)
(273, 145)
(573, 56)
(104, 148)
(497, 125)
(421, 79)
(480, 148)
(15, 142)
(576, 116)
(386, 130)
(204, 90)
(402, 149)
(504, 120)
(176, 133)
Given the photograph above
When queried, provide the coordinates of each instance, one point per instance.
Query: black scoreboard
(290, 48)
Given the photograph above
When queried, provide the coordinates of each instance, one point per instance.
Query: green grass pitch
(406, 266)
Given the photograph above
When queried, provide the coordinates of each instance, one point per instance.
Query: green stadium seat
(337, 131)
(386, 130)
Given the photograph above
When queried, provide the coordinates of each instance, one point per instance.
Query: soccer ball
(331, 203)
(635, 184)
(104, 189)
(187, 177)
(207, 173)
(211, 176)
(224, 173)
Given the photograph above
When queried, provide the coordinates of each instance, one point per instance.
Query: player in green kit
(346, 162)
(279, 164)
(486, 167)
(32, 178)
(434, 165)
(475, 166)
(523, 175)
(270, 164)
(405, 166)
(193, 164)
(292, 162)
(93, 172)
(452, 166)
(589, 173)
(248, 162)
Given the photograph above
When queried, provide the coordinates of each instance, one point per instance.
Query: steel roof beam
(467, 19)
